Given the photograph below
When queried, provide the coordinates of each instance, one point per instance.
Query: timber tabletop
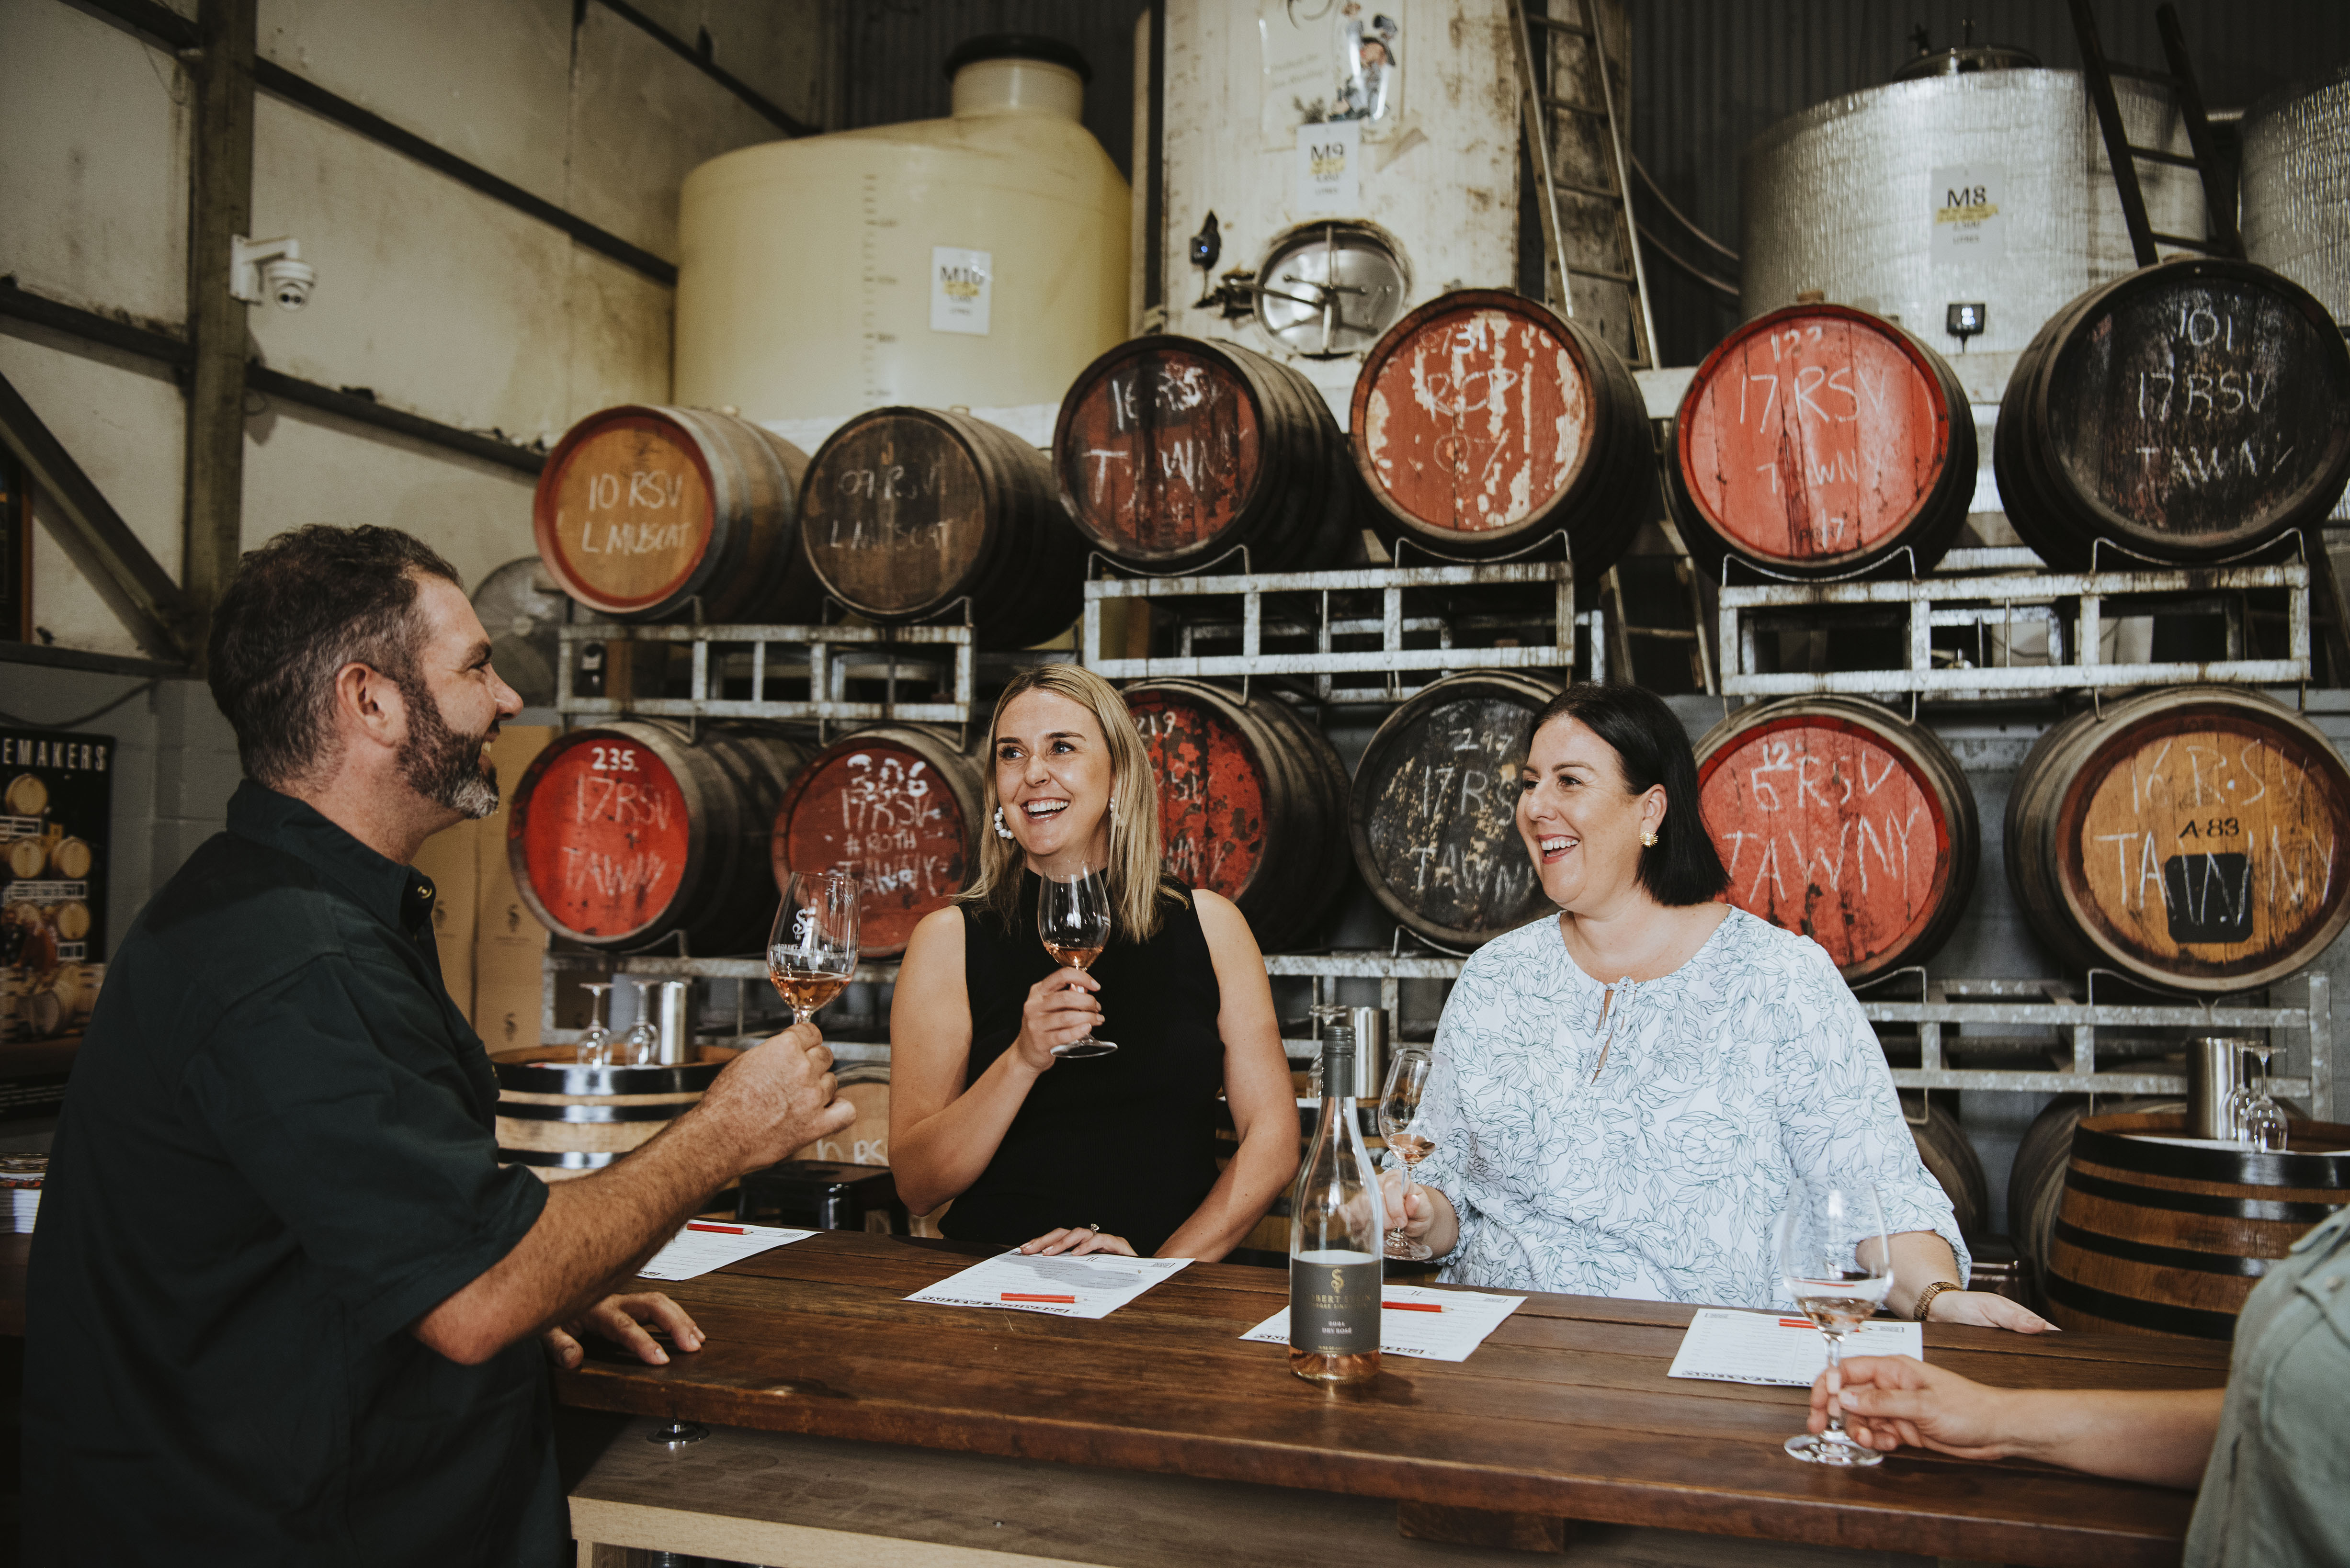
(1565, 1411)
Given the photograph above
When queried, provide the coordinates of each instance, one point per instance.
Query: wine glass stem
(1836, 1432)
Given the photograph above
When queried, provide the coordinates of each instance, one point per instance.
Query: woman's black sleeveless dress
(1126, 1141)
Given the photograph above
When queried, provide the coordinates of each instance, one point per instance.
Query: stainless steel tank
(2296, 187)
(1987, 187)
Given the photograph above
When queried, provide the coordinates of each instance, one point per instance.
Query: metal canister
(1370, 1061)
(2215, 1071)
(673, 1016)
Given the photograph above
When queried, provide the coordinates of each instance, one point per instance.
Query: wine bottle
(1337, 1222)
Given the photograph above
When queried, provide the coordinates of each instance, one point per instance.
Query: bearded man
(282, 1297)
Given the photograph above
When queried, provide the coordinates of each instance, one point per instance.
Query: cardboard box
(448, 858)
(509, 944)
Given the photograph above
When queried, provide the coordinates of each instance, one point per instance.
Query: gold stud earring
(1648, 841)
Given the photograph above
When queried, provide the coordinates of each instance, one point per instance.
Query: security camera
(261, 270)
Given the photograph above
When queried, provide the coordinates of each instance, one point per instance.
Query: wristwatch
(1926, 1297)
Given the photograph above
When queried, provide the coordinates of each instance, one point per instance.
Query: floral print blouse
(1663, 1178)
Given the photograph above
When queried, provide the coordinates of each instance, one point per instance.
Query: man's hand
(776, 1097)
(1890, 1400)
(621, 1320)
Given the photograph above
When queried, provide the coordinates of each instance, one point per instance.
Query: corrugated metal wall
(1709, 73)
(894, 49)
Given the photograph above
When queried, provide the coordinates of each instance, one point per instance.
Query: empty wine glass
(812, 949)
(2262, 1123)
(1839, 1266)
(1073, 920)
(640, 1047)
(1403, 1125)
(595, 1043)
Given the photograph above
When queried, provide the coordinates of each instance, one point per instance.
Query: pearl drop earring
(1000, 831)
(1648, 841)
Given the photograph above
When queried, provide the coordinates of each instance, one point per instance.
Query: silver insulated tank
(2296, 187)
(1987, 187)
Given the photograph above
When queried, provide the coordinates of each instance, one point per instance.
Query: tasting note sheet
(1435, 1325)
(707, 1244)
(1095, 1286)
(1764, 1347)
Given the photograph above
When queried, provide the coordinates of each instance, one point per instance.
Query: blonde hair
(1135, 884)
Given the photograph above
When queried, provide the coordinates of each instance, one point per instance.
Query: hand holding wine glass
(1073, 920)
(1404, 1127)
(811, 951)
(1839, 1265)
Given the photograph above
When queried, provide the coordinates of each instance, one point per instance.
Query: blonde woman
(1096, 1153)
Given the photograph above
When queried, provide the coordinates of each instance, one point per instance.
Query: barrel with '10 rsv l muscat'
(1839, 819)
(2192, 837)
(627, 833)
(908, 513)
(1173, 453)
(642, 510)
(900, 805)
(1821, 441)
(2188, 413)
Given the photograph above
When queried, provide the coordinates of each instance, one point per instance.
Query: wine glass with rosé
(1834, 1255)
(812, 950)
(1073, 920)
(1405, 1127)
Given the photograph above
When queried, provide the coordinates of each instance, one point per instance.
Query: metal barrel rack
(815, 659)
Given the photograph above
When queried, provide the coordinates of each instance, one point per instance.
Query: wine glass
(1073, 920)
(1405, 1128)
(2263, 1122)
(1839, 1266)
(595, 1044)
(640, 1047)
(812, 950)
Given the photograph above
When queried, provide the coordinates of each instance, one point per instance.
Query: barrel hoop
(556, 1159)
(2161, 1257)
(2285, 1169)
(569, 1078)
(2200, 1202)
(595, 1113)
(2193, 1323)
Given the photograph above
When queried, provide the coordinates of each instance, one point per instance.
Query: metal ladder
(2125, 158)
(1690, 638)
(1538, 106)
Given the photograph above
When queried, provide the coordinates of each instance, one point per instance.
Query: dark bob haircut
(299, 608)
(1683, 867)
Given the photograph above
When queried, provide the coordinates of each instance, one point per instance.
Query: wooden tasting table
(1564, 1413)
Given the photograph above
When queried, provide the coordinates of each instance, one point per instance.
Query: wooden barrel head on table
(1432, 817)
(2194, 838)
(2187, 412)
(902, 805)
(908, 512)
(2168, 1239)
(1819, 440)
(1839, 819)
(561, 1119)
(641, 509)
(1252, 802)
(1172, 451)
(625, 833)
(1484, 422)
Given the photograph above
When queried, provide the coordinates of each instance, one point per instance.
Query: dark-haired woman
(1625, 1095)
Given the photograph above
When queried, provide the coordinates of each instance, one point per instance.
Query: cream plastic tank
(978, 260)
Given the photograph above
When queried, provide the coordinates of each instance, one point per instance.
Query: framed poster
(56, 804)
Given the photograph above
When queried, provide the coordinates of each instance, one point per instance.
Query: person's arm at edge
(1256, 1085)
(597, 1229)
(2161, 1436)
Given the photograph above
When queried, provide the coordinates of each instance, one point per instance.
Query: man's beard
(443, 766)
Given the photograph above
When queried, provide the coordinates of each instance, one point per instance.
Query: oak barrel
(1172, 452)
(2035, 1181)
(1821, 441)
(2187, 412)
(901, 804)
(1432, 817)
(1484, 422)
(865, 1140)
(563, 1120)
(908, 513)
(1252, 802)
(2166, 1239)
(641, 509)
(1839, 819)
(1952, 1162)
(2193, 837)
(624, 834)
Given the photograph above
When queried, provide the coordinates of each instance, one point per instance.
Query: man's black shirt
(276, 1154)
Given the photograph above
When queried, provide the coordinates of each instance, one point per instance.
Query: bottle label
(1334, 1303)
